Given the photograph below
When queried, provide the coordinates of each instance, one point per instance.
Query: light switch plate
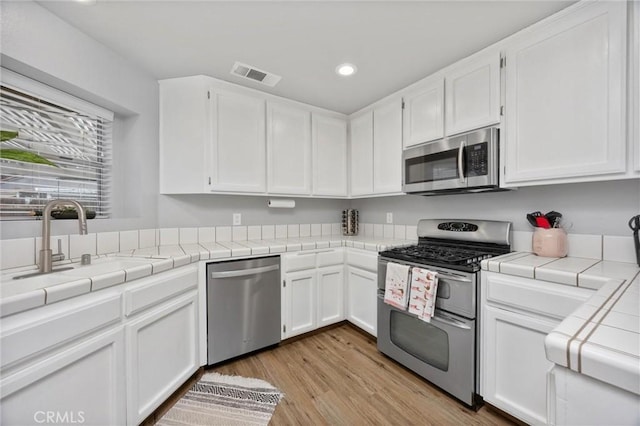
(389, 217)
(237, 219)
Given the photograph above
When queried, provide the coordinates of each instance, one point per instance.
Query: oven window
(421, 339)
(432, 167)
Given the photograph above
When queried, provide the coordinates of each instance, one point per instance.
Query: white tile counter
(125, 266)
(601, 339)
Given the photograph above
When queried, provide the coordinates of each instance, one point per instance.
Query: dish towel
(395, 287)
(422, 295)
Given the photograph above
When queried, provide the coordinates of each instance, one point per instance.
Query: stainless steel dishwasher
(243, 306)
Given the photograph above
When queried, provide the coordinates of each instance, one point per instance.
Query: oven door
(434, 166)
(442, 351)
(456, 290)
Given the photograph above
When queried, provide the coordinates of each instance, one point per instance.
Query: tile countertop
(117, 268)
(601, 339)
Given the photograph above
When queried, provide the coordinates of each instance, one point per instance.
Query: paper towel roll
(282, 204)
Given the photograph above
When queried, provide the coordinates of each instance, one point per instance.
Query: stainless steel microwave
(464, 163)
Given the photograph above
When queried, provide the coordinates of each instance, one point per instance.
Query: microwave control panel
(477, 159)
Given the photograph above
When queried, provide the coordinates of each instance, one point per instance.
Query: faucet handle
(59, 255)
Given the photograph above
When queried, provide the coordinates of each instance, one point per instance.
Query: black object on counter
(634, 224)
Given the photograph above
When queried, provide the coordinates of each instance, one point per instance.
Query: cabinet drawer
(154, 290)
(63, 325)
(363, 259)
(553, 300)
(299, 261)
(331, 257)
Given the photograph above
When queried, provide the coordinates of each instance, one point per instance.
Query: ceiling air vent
(255, 74)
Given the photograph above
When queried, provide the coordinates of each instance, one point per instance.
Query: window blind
(59, 152)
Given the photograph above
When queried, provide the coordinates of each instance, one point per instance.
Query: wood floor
(338, 377)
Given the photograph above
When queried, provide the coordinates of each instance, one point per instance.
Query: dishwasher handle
(244, 272)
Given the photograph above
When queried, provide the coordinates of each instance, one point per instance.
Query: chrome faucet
(46, 256)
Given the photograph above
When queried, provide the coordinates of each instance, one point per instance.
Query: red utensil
(543, 222)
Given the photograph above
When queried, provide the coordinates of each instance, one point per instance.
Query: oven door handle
(454, 277)
(463, 178)
(451, 321)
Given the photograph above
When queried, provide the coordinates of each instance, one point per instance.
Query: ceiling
(393, 43)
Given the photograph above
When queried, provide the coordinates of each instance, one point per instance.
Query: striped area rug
(224, 400)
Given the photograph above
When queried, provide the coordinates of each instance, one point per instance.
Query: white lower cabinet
(82, 384)
(313, 290)
(330, 283)
(162, 354)
(300, 288)
(517, 314)
(362, 299)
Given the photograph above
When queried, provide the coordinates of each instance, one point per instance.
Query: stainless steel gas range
(444, 351)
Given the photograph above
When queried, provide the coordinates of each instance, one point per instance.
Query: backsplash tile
(587, 246)
(223, 233)
(107, 242)
(169, 237)
(281, 231)
(316, 230)
(128, 240)
(326, 229)
(387, 231)
(293, 231)
(81, 244)
(147, 238)
(254, 232)
(368, 229)
(188, 235)
(521, 240)
(618, 249)
(336, 229)
(207, 235)
(378, 230)
(18, 252)
(412, 232)
(268, 232)
(305, 230)
(239, 233)
(400, 232)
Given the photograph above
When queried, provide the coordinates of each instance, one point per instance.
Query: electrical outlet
(389, 217)
(237, 219)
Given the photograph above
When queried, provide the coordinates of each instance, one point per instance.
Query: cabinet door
(301, 302)
(472, 89)
(515, 364)
(184, 135)
(162, 353)
(387, 148)
(423, 113)
(329, 139)
(565, 98)
(330, 295)
(82, 384)
(362, 299)
(288, 150)
(239, 143)
(362, 154)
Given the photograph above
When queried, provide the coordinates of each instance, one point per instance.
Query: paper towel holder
(281, 204)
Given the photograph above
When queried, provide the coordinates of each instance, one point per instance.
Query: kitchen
(38, 44)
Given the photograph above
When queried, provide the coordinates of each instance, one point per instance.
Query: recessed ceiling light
(346, 69)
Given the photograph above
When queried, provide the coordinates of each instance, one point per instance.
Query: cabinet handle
(244, 272)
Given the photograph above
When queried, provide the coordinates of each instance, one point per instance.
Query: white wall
(36, 43)
(593, 208)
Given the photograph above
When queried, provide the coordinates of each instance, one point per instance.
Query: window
(53, 146)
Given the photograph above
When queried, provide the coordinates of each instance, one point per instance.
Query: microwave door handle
(463, 178)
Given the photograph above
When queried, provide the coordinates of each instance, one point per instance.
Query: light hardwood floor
(338, 377)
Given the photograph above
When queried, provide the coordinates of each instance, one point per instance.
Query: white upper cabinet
(288, 149)
(184, 135)
(329, 141)
(423, 114)
(362, 154)
(238, 155)
(472, 93)
(387, 147)
(635, 82)
(565, 97)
